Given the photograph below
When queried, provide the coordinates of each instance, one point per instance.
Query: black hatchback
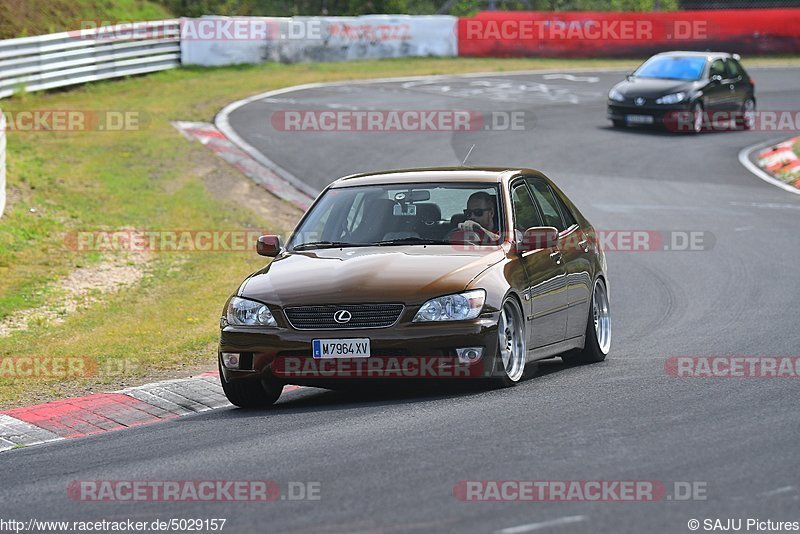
(685, 91)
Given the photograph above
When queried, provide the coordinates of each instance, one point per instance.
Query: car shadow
(388, 393)
(659, 131)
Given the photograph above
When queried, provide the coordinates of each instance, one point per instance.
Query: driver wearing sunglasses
(480, 216)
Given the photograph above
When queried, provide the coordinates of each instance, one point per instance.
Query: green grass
(21, 18)
(148, 179)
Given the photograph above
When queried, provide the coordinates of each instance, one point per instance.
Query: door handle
(556, 256)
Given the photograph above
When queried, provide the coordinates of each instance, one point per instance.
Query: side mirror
(538, 237)
(268, 245)
(716, 79)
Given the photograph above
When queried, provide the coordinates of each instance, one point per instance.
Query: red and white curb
(210, 137)
(782, 162)
(105, 412)
(776, 163)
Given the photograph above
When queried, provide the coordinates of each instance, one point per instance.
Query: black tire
(618, 123)
(251, 393)
(591, 352)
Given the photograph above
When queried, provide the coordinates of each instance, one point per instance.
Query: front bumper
(661, 114)
(405, 350)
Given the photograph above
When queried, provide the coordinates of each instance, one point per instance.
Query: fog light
(469, 354)
(230, 360)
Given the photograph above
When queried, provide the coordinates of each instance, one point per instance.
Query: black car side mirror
(716, 79)
(268, 245)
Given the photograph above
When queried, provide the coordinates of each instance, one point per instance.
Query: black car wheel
(251, 393)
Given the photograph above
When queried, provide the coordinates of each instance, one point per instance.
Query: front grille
(363, 316)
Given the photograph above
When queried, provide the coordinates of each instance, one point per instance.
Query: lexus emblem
(342, 316)
(639, 101)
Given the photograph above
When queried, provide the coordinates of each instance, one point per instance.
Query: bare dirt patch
(78, 290)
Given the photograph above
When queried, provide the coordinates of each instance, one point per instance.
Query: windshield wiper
(409, 241)
(326, 244)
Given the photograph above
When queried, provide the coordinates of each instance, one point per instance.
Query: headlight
(671, 99)
(616, 95)
(452, 307)
(243, 312)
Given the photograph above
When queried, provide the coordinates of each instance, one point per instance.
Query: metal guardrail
(74, 57)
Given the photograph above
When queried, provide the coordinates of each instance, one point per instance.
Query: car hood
(407, 274)
(652, 87)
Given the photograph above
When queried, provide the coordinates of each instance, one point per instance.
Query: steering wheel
(472, 237)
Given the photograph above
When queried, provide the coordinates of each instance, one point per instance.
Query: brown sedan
(422, 273)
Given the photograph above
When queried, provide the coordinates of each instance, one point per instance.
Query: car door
(575, 255)
(717, 93)
(739, 87)
(545, 295)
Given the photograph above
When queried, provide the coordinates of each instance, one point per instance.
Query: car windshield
(400, 214)
(672, 68)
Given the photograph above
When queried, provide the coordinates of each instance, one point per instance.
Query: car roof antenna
(463, 163)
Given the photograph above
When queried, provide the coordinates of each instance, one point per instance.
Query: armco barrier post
(2, 162)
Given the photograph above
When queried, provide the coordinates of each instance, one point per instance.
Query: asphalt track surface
(388, 461)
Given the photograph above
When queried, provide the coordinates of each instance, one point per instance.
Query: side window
(525, 213)
(566, 214)
(733, 69)
(547, 203)
(717, 68)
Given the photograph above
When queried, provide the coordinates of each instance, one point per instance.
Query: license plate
(639, 119)
(340, 348)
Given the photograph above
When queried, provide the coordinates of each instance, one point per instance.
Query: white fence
(2, 163)
(74, 57)
(67, 58)
(214, 41)
(91, 54)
